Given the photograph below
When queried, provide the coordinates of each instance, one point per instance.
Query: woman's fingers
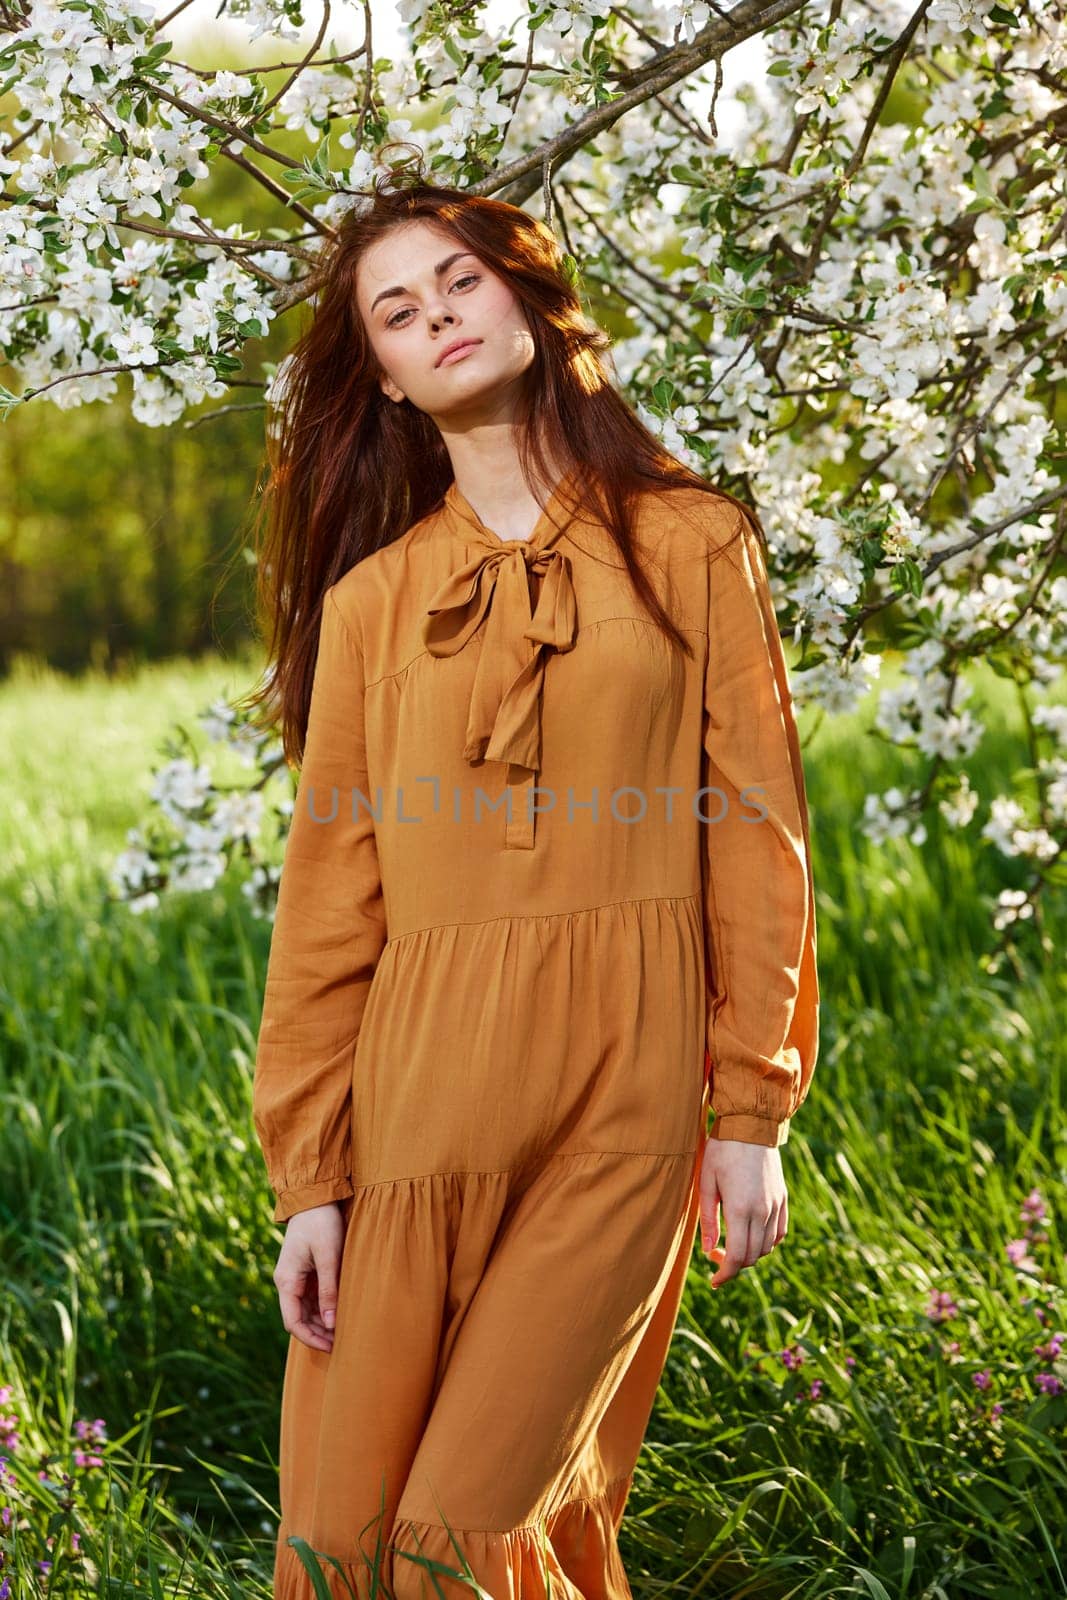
(739, 1234)
(291, 1285)
(327, 1287)
(306, 1276)
(302, 1308)
(312, 1322)
(746, 1182)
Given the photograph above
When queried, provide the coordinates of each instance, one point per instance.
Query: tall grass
(876, 1409)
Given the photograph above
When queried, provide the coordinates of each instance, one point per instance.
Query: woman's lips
(457, 354)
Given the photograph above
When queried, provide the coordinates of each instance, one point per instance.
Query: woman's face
(413, 311)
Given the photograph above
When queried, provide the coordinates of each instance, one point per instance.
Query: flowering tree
(864, 336)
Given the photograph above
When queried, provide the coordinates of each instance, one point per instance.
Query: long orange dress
(494, 1030)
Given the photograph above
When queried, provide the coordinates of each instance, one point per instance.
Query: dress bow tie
(504, 723)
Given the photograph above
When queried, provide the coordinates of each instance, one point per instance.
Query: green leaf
(981, 182)
(320, 161)
(998, 105)
(308, 1561)
(874, 1586)
(907, 577)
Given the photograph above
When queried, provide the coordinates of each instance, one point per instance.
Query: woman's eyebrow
(442, 266)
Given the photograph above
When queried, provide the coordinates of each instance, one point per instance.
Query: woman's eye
(394, 320)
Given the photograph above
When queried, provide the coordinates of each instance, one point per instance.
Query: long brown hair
(351, 470)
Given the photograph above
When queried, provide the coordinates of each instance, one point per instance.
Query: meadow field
(877, 1409)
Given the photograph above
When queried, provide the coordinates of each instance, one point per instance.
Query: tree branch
(276, 190)
(301, 66)
(521, 177)
(938, 559)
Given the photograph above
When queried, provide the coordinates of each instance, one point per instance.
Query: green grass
(138, 1251)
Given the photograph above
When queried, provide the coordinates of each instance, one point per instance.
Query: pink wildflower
(1049, 1352)
(941, 1307)
(1018, 1254)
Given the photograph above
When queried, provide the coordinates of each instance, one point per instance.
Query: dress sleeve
(759, 906)
(329, 931)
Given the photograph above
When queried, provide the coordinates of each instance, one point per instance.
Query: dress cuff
(290, 1201)
(749, 1129)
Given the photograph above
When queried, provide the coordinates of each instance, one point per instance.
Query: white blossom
(134, 343)
(959, 807)
(239, 814)
(197, 871)
(890, 816)
(181, 787)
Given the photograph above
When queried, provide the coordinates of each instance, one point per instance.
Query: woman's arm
(759, 905)
(329, 932)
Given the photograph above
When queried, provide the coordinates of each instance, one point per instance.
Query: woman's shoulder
(690, 522)
(375, 576)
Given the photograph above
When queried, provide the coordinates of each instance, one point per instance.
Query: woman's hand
(307, 1272)
(748, 1180)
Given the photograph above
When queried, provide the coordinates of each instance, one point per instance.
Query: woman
(546, 898)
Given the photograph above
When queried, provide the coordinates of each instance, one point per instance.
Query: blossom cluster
(200, 825)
